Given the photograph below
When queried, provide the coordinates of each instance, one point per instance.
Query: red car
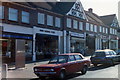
(62, 65)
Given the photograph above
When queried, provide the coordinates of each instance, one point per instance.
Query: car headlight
(35, 69)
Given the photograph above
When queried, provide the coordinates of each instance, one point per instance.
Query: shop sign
(77, 34)
(16, 36)
(91, 35)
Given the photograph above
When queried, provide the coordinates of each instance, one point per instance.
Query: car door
(71, 64)
(79, 62)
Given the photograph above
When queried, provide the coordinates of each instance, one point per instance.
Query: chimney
(90, 10)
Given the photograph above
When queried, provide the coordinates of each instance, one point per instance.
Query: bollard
(4, 70)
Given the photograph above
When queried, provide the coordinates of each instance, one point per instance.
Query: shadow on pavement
(99, 67)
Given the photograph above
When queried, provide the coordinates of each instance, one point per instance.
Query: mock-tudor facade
(50, 28)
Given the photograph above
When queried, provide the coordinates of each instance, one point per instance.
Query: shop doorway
(46, 46)
(8, 50)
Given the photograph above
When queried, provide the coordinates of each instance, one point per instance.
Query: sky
(101, 7)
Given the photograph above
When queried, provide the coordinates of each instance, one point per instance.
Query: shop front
(90, 43)
(46, 43)
(105, 42)
(9, 46)
(76, 42)
(113, 42)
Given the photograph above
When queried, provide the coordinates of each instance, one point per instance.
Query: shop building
(112, 22)
(51, 28)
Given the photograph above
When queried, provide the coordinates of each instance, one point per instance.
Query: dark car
(62, 65)
(106, 56)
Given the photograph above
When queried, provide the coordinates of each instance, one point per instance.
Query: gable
(77, 10)
(115, 22)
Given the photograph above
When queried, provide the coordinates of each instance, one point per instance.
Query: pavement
(26, 72)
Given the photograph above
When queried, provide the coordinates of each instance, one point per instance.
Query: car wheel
(42, 77)
(62, 75)
(111, 62)
(84, 70)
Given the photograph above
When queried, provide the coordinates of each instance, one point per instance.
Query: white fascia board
(17, 29)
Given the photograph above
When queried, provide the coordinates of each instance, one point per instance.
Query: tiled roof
(108, 19)
(57, 7)
(92, 17)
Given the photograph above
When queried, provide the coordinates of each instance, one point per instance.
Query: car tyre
(42, 77)
(62, 75)
(111, 62)
(84, 70)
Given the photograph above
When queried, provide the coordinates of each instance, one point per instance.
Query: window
(110, 30)
(91, 27)
(106, 30)
(80, 25)
(103, 30)
(75, 24)
(1, 12)
(13, 14)
(57, 22)
(41, 18)
(25, 17)
(71, 58)
(100, 28)
(87, 26)
(95, 28)
(49, 20)
(77, 57)
(69, 22)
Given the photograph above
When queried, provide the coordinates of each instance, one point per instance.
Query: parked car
(106, 56)
(118, 51)
(62, 65)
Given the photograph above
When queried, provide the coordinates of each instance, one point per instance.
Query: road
(93, 72)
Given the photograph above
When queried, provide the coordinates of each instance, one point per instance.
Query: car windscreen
(99, 54)
(59, 59)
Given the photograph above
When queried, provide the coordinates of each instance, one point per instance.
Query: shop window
(28, 48)
(13, 14)
(49, 20)
(87, 27)
(57, 22)
(41, 18)
(1, 12)
(25, 17)
(75, 24)
(81, 25)
(69, 22)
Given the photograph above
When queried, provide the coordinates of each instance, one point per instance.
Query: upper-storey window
(103, 30)
(13, 14)
(111, 31)
(106, 30)
(100, 28)
(41, 18)
(95, 28)
(75, 24)
(25, 17)
(80, 25)
(57, 22)
(91, 27)
(1, 12)
(69, 21)
(87, 27)
(49, 20)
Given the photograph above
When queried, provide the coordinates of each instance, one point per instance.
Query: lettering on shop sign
(47, 31)
(77, 34)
